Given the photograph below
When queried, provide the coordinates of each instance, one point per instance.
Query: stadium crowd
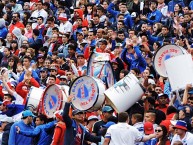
(49, 42)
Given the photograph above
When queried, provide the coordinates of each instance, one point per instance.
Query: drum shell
(88, 93)
(34, 98)
(122, 95)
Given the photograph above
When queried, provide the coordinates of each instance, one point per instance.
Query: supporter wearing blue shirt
(132, 56)
(155, 15)
(24, 124)
(3, 29)
(41, 131)
(123, 9)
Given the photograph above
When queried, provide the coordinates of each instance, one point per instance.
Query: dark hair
(171, 109)
(40, 17)
(136, 70)
(67, 35)
(27, 57)
(47, 5)
(96, 15)
(123, 117)
(14, 1)
(36, 32)
(51, 19)
(18, 14)
(164, 137)
(9, 96)
(53, 76)
(42, 117)
(138, 117)
(55, 28)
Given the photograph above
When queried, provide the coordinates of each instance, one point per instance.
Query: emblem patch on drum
(85, 91)
(52, 100)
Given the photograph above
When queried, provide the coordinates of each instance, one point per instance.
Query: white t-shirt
(65, 28)
(187, 140)
(123, 134)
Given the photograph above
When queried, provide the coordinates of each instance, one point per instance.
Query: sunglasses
(158, 130)
(68, 74)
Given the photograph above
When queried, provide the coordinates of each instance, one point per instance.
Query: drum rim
(42, 103)
(97, 92)
(158, 51)
(89, 62)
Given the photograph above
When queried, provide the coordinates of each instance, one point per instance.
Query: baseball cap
(58, 114)
(80, 32)
(40, 55)
(148, 128)
(74, 112)
(190, 92)
(43, 69)
(108, 124)
(62, 17)
(53, 68)
(107, 109)
(80, 55)
(92, 117)
(61, 55)
(7, 119)
(180, 125)
(27, 113)
(63, 77)
(164, 95)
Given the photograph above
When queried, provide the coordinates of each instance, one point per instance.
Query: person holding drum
(76, 133)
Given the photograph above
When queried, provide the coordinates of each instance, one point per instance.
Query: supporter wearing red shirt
(162, 102)
(16, 22)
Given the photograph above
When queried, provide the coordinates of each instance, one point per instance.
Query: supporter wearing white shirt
(65, 25)
(123, 133)
(181, 134)
(40, 12)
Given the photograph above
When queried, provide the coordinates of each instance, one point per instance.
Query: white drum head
(85, 91)
(52, 100)
(163, 54)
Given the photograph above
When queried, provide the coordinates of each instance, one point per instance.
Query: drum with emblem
(99, 66)
(54, 98)
(88, 93)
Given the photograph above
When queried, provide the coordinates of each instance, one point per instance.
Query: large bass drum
(88, 93)
(99, 66)
(165, 53)
(54, 98)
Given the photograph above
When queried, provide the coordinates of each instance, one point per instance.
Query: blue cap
(190, 92)
(108, 124)
(43, 69)
(80, 55)
(61, 55)
(107, 109)
(74, 112)
(27, 113)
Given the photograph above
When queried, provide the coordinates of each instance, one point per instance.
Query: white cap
(92, 117)
(7, 119)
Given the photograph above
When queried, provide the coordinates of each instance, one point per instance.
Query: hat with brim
(180, 125)
(75, 112)
(93, 117)
(27, 113)
(62, 17)
(108, 124)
